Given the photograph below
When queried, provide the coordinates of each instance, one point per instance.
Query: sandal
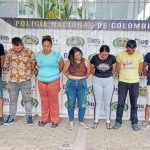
(42, 123)
(83, 125)
(71, 125)
(95, 125)
(54, 124)
(108, 126)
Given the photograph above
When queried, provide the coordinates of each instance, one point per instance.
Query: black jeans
(123, 89)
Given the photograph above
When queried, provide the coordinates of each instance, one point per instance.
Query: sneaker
(145, 125)
(10, 120)
(29, 120)
(135, 127)
(1, 120)
(117, 125)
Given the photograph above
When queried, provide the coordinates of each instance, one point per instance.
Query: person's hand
(59, 89)
(144, 73)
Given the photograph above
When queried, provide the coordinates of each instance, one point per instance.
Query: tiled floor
(20, 136)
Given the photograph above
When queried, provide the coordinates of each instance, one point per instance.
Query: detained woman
(50, 65)
(103, 66)
(77, 70)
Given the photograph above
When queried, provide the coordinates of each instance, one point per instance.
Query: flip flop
(108, 126)
(95, 125)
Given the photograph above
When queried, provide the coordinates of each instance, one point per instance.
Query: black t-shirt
(1, 53)
(103, 68)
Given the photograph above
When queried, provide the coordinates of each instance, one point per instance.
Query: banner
(88, 35)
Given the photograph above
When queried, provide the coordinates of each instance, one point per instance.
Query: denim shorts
(1, 88)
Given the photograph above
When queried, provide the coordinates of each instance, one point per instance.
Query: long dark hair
(72, 51)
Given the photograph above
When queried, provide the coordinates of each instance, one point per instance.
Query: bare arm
(92, 69)
(2, 60)
(65, 69)
(114, 68)
(140, 68)
(61, 64)
(144, 68)
(88, 65)
(7, 61)
(118, 67)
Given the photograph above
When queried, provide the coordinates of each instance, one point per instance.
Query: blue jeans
(123, 89)
(76, 90)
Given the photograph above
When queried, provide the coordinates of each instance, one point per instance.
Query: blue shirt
(147, 60)
(48, 66)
